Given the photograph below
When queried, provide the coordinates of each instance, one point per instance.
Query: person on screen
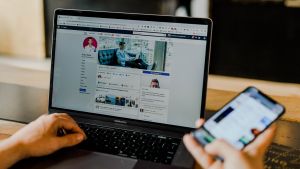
(90, 47)
(154, 83)
(126, 59)
(40, 138)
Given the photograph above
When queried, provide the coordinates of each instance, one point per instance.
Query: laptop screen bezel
(140, 17)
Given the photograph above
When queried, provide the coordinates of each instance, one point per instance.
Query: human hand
(40, 138)
(249, 158)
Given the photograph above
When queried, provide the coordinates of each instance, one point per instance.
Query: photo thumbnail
(117, 100)
(132, 53)
(155, 81)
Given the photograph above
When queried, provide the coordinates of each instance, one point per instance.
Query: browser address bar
(150, 34)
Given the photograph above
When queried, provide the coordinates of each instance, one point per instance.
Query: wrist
(17, 147)
(10, 153)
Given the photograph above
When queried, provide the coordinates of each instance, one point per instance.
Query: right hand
(249, 158)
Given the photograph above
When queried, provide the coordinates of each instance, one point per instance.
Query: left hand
(40, 138)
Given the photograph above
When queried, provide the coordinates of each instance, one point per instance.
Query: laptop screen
(143, 70)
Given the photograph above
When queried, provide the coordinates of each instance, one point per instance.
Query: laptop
(134, 83)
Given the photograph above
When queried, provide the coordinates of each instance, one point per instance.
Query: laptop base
(77, 159)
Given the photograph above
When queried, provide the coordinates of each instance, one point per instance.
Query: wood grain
(9, 128)
(4, 136)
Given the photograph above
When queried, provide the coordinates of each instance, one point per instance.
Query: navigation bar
(130, 32)
(134, 25)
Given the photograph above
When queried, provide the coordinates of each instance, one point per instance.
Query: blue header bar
(168, 35)
(156, 73)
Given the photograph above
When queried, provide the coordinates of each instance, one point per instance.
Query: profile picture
(154, 83)
(90, 44)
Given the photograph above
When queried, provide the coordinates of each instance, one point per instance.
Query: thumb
(221, 148)
(70, 140)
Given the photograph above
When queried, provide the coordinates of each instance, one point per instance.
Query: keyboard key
(132, 144)
(282, 157)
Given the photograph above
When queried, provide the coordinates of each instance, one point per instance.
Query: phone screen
(241, 120)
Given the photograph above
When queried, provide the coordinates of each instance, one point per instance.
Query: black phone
(241, 120)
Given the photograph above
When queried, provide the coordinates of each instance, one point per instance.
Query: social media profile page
(134, 74)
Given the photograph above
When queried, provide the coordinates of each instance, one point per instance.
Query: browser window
(144, 70)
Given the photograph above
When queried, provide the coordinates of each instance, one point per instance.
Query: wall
(22, 28)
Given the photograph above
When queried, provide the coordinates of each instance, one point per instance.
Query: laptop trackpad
(77, 159)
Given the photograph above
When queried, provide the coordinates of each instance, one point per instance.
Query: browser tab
(130, 26)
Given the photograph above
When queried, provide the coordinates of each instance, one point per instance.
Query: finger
(69, 125)
(69, 140)
(197, 151)
(66, 116)
(222, 149)
(62, 120)
(63, 115)
(216, 165)
(262, 142)
(199, 123)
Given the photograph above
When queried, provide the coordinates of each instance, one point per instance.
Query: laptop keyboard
(282, 157)
(161, 149)
(128, 143)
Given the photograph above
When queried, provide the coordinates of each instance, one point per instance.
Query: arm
(10, 153)
(249, 158)
(120, 56)
(132, 56)
(40, 138)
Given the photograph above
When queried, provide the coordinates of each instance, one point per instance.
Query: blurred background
(256, 39)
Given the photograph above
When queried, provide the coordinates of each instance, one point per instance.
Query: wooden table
(220, 90)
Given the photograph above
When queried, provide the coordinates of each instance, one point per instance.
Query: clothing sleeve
(120, 56)
(130, 56)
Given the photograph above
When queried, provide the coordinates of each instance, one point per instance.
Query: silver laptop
(134, 83)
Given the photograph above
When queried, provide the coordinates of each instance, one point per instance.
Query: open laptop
(134, 83)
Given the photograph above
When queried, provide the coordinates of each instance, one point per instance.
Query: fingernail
(80, 137)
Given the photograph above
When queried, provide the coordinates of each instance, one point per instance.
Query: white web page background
(181, 90)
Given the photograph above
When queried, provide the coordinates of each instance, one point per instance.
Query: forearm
(10, 153)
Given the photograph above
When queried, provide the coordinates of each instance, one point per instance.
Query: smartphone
(241, 120)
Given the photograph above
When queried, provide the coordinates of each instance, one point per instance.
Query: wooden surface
(292, 3)
(7, 128)
(22, 28)
(220, 90)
